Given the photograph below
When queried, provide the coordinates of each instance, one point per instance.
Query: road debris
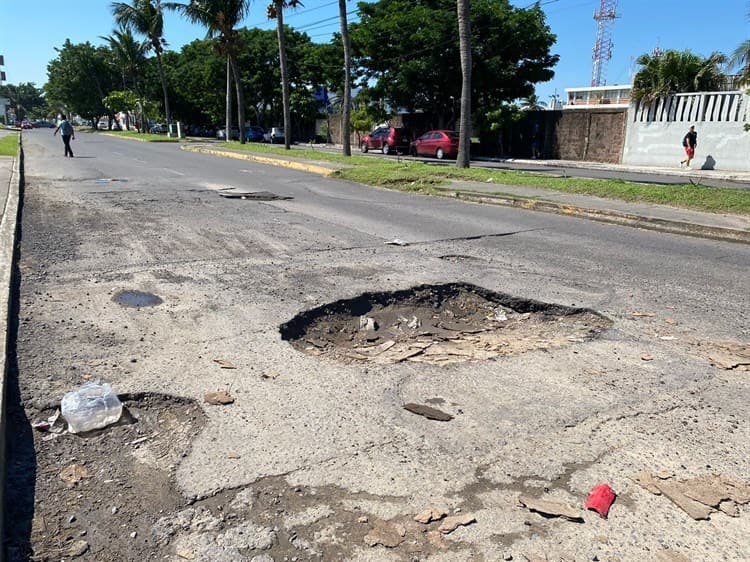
(432, 513)
(225, 364)
(731, 356)
(551, 508)
(94, 405)
(385, 533)
(78, 548)
(453, 522)
(647, 357)
(601, 499)
(428, 412)
(220, 398)
(701, 496)
(397, 242)
(642, 314)
(74, 473)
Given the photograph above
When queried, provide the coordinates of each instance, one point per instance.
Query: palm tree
(464, 42)
(146, 17)
(347, 101)
(532, 103)
(276, 10)
(740, 59)
(129, 54)
(677, 71)
(220, 17)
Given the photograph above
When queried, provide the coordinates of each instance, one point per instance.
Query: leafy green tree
(409, 50)
(740, 59)
(220, 17)
(673, 72)
(25, 98)
(146, 17)
(79, 78)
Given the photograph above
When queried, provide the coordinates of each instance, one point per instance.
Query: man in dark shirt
(689, 141)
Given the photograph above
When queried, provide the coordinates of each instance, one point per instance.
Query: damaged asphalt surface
(315, 458)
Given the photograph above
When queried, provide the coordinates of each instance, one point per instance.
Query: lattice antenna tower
(604, 18)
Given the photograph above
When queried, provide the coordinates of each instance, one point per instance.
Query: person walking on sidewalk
(67, 132)
(689, 141)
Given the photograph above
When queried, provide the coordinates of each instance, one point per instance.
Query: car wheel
(363, 148)
(439, 154)
(386, 149)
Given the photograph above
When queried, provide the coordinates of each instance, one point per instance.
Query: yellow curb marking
(312, 168)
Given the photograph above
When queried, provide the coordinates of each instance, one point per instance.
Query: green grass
(150, 137)
(409, 175)
(9, 145)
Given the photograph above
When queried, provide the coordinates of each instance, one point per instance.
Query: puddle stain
(137, 299)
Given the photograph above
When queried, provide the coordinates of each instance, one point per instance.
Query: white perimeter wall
(654, 132)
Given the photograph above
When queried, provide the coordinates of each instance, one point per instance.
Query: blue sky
(32, 28)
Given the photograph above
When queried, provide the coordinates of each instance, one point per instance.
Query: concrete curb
(312, 168)
(136, 138)
(8, 232)
(608, 216)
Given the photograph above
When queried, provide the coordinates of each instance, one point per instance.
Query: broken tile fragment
(432, 513)
(551, 508)
(452, 523)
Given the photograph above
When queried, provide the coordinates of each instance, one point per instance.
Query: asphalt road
(124, 215)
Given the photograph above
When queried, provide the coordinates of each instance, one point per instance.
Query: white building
(598, 96)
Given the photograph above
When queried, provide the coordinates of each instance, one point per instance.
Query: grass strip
(148, 137)
(411, 175)
(9, 145)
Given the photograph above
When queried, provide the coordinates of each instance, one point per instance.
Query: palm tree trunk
(228, 113)
(464, 38)
(346, 122)
(240, 95)
(284, 72)
(163, 78)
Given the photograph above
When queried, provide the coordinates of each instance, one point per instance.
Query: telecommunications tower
(603, 46)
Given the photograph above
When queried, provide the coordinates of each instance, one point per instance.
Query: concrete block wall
(655, 130)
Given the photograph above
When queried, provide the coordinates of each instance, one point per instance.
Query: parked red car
(440, 144)
(387, 139)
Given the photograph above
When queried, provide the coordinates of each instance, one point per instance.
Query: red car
(440, 144)
(387, 139)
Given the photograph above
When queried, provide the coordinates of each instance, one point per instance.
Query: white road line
(174, 172)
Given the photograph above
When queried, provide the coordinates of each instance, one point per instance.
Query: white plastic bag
(93, 406)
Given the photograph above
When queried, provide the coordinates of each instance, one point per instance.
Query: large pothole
(438, 324)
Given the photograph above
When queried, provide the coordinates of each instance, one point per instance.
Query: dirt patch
(439, 324)
(98, 495)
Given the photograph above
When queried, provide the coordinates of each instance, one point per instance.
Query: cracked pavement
(312, 434)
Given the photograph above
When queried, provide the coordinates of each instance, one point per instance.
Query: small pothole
(439, 324)
(137, 299)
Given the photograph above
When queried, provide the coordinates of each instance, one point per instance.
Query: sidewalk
(662, 218)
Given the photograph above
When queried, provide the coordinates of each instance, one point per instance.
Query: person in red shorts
(689, 141)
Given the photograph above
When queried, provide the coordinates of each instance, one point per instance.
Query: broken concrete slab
(452, 523)
(432, 513)
(551, 508)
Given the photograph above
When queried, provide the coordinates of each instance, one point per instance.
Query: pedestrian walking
(67, 132)
(689, 142)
